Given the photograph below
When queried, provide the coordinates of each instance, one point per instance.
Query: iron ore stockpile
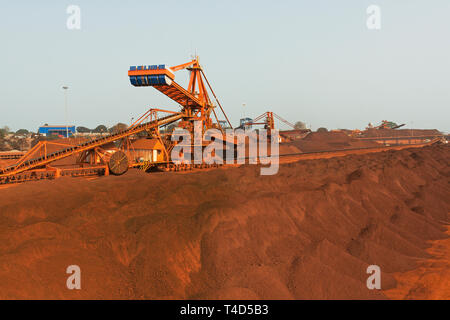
(323, 141)
(308, 232)
(156, 229)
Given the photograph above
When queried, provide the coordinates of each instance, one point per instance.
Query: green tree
(83, 130)
(299, 125)
(100, 129)
(4, 131)
(117, 128)
(22, 132)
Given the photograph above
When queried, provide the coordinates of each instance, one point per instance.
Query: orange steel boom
(268, 120)
(195, 101)
(112, 153)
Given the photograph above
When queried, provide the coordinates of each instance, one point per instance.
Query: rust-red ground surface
(308, 232)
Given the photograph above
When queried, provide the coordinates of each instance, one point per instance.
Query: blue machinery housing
(56, 130)
(151, 75)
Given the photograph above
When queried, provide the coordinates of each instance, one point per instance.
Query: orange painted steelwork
(28, 162)
(195, 101)
(196, 105)
(268, 120)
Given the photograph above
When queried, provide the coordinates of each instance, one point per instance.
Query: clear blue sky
(314, 61)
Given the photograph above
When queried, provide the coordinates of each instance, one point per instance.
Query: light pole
(65, 104)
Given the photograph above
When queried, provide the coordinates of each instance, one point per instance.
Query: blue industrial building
(47, 130)
(245, 123)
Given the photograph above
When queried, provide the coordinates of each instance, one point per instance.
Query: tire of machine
(118, 163)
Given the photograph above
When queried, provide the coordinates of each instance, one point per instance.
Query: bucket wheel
(118, 163)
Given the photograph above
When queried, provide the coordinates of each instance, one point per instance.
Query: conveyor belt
(162, 78)
(21, 166)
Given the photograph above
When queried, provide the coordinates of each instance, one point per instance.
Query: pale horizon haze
(311, 61)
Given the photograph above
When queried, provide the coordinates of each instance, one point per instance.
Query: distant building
(147, 150)
(47, 130)
(245, 123)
